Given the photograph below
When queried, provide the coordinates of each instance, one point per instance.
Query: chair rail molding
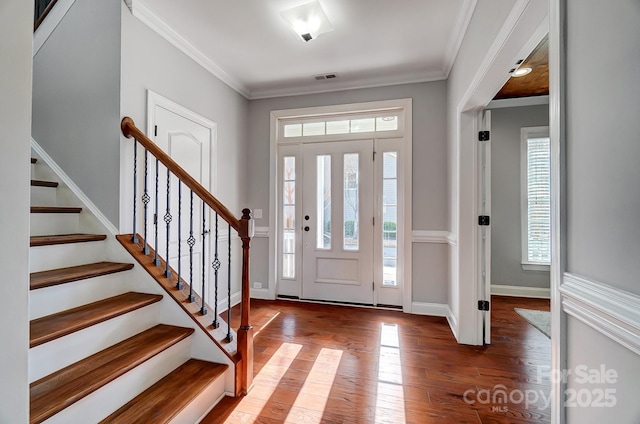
(611, 311)
(429, 236)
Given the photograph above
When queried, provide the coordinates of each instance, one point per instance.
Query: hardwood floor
(334, 364)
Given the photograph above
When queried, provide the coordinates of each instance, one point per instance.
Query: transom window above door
(388, 122)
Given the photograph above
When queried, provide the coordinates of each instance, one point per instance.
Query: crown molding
(141, 11)
(457, 35)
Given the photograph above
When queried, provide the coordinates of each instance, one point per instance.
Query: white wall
(603, 184)
(151, 62)
(16, 35)
(76, 84)
(506, 194)
(429, 173)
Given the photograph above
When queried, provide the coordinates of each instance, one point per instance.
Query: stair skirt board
(43, 258)
(64, 351)
(99, 404)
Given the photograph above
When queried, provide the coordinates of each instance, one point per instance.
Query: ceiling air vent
(325, 77)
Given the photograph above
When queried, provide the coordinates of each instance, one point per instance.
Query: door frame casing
(277, 115)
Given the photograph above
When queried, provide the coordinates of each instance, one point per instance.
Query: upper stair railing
(243, 227)
(41, 10)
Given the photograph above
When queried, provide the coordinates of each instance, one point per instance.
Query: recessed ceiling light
(520, 72)
(308, 21)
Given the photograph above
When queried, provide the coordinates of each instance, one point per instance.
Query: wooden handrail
(44, 14)
(243, 226)
(129, 130)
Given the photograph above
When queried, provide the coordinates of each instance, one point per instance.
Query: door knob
(306, 228)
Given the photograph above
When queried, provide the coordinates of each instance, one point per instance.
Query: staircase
(105, 347)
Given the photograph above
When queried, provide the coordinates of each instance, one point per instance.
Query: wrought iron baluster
(216, 266)
(191, 241)
(229, 336)
(156, 258)
(167, 220)
(203, 308)
(134, 235)
(145, 201)
(179, 284)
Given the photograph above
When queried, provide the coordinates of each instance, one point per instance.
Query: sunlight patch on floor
(312, 399)
(264, 384)
(390, 393)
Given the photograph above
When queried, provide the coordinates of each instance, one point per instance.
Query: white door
(337, 222)
(189, 143)
(389, 249)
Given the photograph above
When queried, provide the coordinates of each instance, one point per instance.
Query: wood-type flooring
(334, 364)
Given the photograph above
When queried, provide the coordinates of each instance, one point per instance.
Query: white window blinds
(536, 219)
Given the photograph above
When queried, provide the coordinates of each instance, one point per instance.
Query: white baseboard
(431, 309)
(519, 291)
(437, 310)
(223, 303)
(261, 294)
(613, 312)
(453, 323)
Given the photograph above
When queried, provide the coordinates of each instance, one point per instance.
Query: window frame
(527, 133)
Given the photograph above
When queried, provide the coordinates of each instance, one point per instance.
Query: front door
(337, 222)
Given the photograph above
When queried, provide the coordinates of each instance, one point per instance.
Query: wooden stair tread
(164, 400)
(57, 325)
(55, 209)
(53, 393)
(65, 239)
(43, 183)
(54, 277)
(34, 160)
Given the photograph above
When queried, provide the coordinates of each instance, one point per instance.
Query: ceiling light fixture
(520, 72)
(308, 21)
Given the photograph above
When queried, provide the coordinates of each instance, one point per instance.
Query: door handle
(306, 228)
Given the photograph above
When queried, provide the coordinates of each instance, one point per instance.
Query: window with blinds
(536, 197)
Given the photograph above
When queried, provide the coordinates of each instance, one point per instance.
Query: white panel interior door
(188, 143)
(337, 221)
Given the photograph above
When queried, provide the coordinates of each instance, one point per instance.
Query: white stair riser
(49, 300)
(42, 258)
(43, 196)
(43, 224)
(59, 353)
(195, 411)
(109, 398)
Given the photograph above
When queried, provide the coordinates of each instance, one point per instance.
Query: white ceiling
(248, 45)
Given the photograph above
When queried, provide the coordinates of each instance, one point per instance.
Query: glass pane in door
(390, 218)
(350, 202)
(289, 217)
(323, 202)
